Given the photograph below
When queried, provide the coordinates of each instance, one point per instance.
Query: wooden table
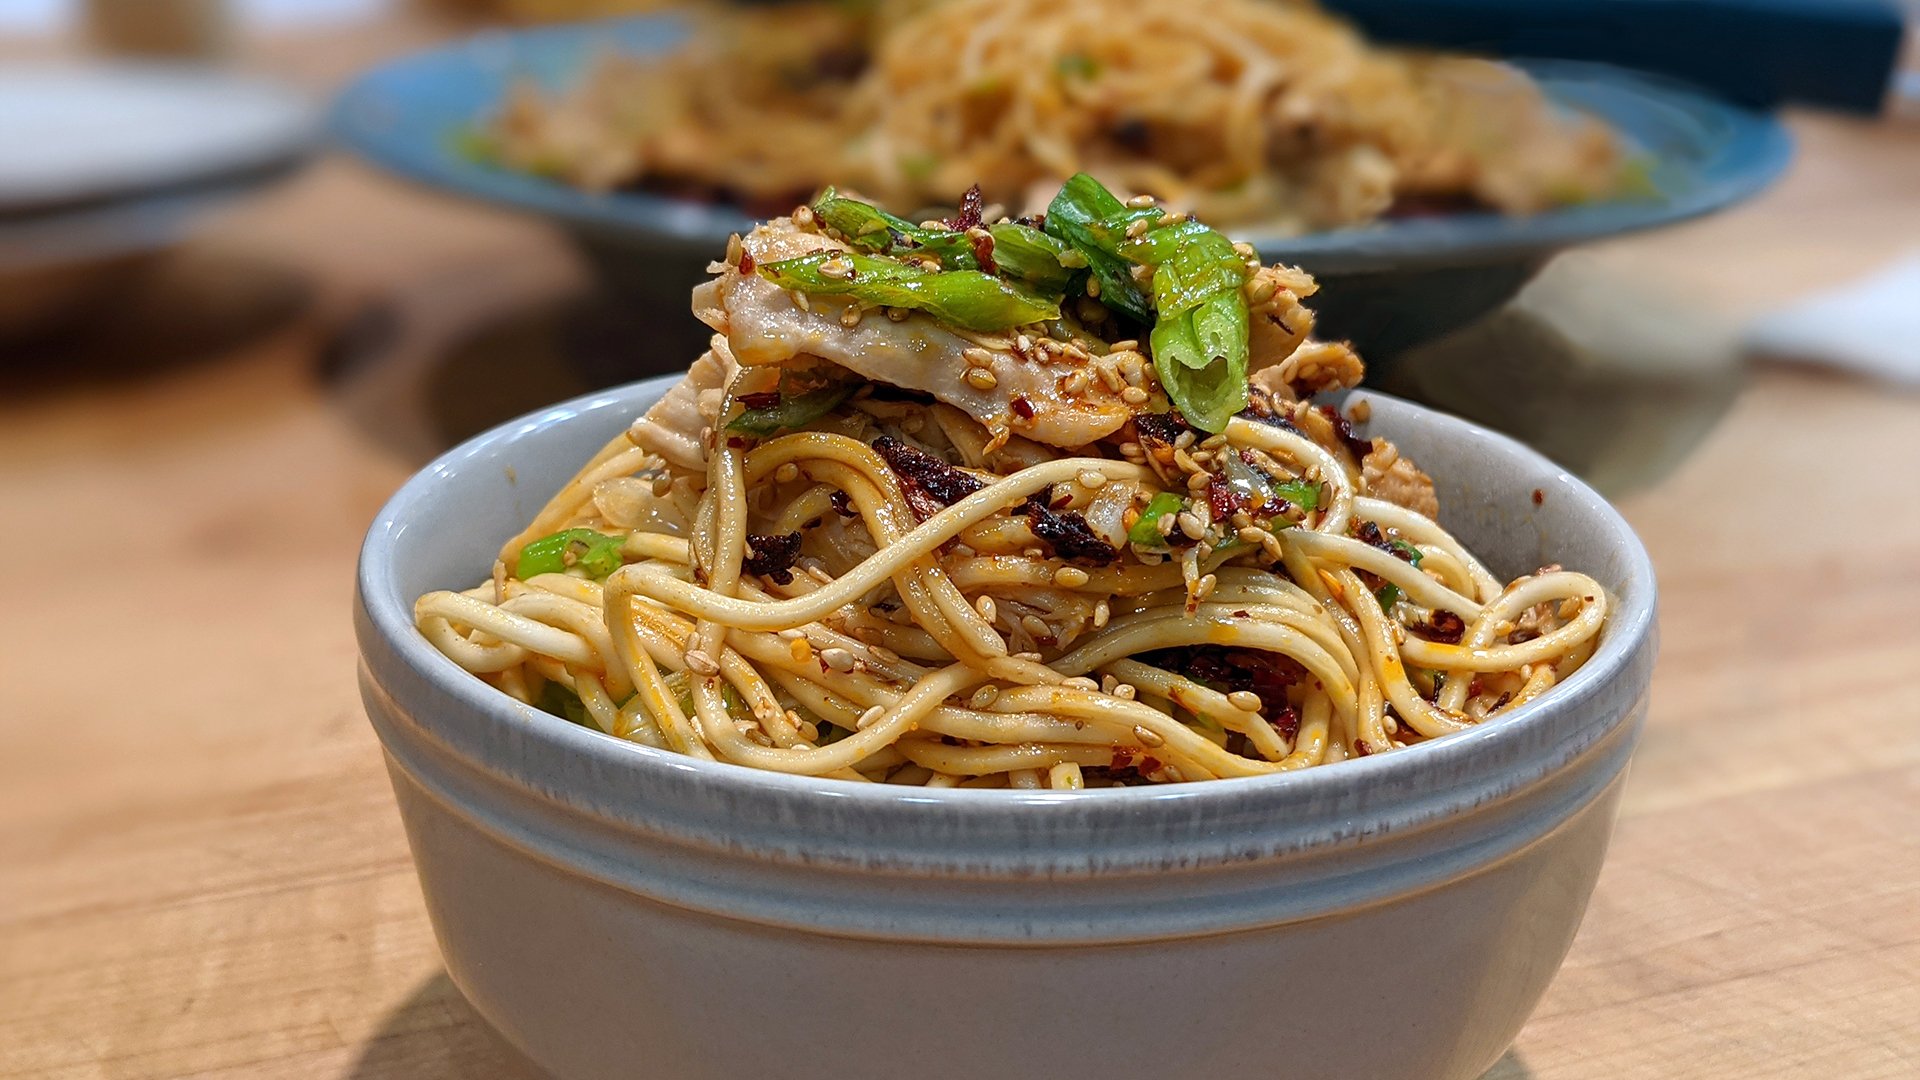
(202, 873)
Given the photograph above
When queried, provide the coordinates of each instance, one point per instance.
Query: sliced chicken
(1389, 476)
(673, 428)
(1035, 394)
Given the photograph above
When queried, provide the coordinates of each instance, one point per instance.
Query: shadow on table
(436, 1035)
(141, 319)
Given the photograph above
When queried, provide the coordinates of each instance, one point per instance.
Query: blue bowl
(1391, 285)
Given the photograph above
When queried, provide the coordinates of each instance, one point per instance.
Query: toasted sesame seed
(1244, 249)
(1035, 626)
(837, 658)
(1260, 289)
(734, 249)
(1147, 736)
(870, 717)
(1133, 395)
(1102, 611)
(976, 356)
(981, 379)
(1091, 479)
(662, 485)
(1251, 534)
(1093, 286)
(1140, 202)
(1244, 699)
(1110, 377)
(1070, 577)
(790, 633)
(1204, 587)
(1198, 481)
(984, 605)
(787, 472)
(1075, 384)
(1361, 412)
(1124, 346)
(1131, 450)
(1191, 524)
(1137, 229)
(895, 314)
(1165, 524)
(800, 301)
(850, 316)
(1171, 774)
(983, 697)
(700, 663)
(1125, 692)
(1033, 656)
(803, 216)
(1022, 343)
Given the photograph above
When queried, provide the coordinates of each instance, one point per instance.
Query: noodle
(894, 587)
(1260, 112)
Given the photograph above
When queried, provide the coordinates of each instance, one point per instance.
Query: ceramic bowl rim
(389, 617)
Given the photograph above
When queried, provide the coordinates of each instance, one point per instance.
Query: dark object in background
(1836, 53)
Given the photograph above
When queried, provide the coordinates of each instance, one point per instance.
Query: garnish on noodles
(924, 514)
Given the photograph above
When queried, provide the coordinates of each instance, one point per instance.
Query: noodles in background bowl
(1243, 111)
(1014, 504)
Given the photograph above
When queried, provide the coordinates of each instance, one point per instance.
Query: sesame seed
(984, 605)
(1251, 534)
(895, 314)
(787, 472)
(1137, 229)
(1125, 692)
(1244, 699)
(1183, 440)
(1023, 344)
(1102, 611)
(1081, 682)
(870, 717)
(1091, 479)
(1199, 481)
(1093, 286)
(662, 485)
(1075, 384)
(976, 356)
(1205, 587)
(1244, 249)
(981, 379)
(1124, 346)
(1133, 395)
(1147, 736)
(983, 697)
(790, 633)
(1110, 377)
(734, 249)
(850, 316)
(1140, 202)
(803, 216)
(800, 301)
(1171, 774)
(1191, 525)
(701, 663)
(1035, 626)
(1165, 524)
(837, 658)
(1070, 577)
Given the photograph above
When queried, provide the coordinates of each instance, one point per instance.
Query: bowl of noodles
(1011, 642)
(1435, 183)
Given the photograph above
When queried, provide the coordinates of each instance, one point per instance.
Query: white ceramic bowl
(616, 911)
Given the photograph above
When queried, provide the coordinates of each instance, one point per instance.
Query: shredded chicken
(765, 324)
(1389, 476)
(673, 427)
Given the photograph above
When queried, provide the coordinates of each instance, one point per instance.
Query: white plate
(80, 133)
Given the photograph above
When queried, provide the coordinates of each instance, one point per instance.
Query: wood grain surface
(202, 873)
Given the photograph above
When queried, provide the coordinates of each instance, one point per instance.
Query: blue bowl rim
(1751, 151)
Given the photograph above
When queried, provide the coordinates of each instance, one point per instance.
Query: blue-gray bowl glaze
(565, 869)
(1412, 279)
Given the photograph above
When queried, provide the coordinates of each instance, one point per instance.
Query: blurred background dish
(126, 159)
(1392, 284)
